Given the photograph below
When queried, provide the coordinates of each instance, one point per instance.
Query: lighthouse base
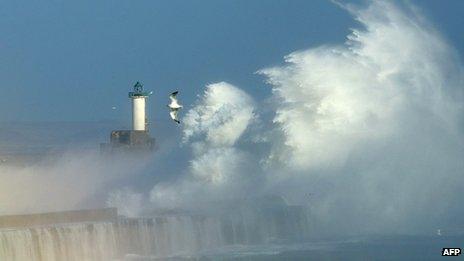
(129, 140)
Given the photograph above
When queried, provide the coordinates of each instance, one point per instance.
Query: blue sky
(74, 60)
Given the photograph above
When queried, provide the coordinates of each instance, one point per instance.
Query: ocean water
(357, 248)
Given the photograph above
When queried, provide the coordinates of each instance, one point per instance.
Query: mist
(367, 134)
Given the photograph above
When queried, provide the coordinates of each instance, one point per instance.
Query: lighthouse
(139, 96)
(137, 139)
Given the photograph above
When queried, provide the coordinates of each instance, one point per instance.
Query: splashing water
(371, 129)
(367, 135)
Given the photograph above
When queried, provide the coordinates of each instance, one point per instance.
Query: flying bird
(174, 106)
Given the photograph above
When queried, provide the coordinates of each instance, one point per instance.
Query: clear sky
(75, 60)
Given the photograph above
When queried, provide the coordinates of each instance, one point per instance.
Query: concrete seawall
(74, 216)
(97, 235)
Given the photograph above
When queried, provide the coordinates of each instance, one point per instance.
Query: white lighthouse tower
(139, 119)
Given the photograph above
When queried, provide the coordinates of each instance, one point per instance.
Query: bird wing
(173, 114)
(173, 96)
(174, 102)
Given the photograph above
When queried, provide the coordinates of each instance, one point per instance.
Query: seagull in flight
(174, 106)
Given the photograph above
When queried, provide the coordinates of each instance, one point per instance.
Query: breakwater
(157, 236)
